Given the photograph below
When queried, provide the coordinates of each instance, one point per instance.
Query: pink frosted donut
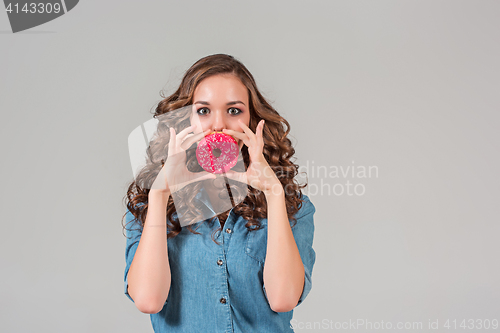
(217, 152)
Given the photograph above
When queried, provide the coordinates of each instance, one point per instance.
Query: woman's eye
(234, 111)
(203, 111)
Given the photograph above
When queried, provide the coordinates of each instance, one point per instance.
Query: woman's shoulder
(306, 207)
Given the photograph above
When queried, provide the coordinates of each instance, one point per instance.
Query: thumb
(207, 175)
(237, 176)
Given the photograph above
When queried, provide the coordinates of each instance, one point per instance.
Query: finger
(182, 134)
(193, 138)
(206, 176)
(236, 134)
(172, 138)
(247, 130)
(241, 136)
(184, 142)
(260, 130)
(187, 137)
(237, 176)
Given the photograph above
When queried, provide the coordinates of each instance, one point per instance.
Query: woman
(247, 268)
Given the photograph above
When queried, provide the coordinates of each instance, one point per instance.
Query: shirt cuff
(126, 289)
(307, 287)
(305, 291)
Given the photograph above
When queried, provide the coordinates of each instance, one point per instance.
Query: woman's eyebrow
(229, 103)
(235, 102)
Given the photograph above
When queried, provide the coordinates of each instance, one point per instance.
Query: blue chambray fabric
(198, 282)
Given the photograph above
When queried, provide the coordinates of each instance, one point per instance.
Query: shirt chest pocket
(256, 244)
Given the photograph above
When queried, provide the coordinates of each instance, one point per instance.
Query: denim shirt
(220, 288)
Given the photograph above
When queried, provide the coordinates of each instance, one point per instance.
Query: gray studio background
(410, 87)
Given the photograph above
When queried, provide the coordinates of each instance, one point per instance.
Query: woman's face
(220, 101)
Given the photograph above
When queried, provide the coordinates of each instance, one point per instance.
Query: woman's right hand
(175, 175)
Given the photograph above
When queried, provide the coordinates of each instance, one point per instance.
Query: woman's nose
(218, 121)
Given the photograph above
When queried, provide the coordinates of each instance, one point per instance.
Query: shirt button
(219, 262)
(223, 300)
(229, 231)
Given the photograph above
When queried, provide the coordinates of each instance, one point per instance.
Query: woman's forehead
(221, 87)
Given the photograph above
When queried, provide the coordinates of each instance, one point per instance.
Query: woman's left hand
(259, 174)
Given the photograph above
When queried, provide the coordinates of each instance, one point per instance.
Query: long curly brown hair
(278, 150)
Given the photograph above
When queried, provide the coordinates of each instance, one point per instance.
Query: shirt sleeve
(133, 232)
(303, 233)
